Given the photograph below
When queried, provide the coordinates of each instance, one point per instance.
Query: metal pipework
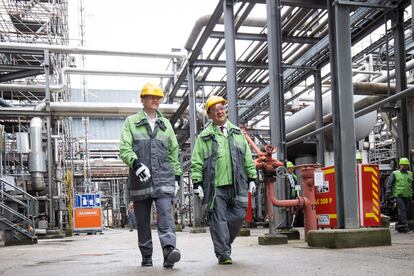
(269, 165)
(307, 172)
(100, 72)
(61, 49)
(37, 158)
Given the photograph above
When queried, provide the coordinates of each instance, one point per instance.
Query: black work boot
(225, 261)
(146, 261)
(171, 256)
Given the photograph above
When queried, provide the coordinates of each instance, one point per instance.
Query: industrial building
(321, 81)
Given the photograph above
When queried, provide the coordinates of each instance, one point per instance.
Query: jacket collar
(141, 119)
(212, 130)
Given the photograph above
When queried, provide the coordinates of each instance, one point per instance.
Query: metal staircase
(18, 211)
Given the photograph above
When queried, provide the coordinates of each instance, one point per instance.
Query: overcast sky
(144, 26)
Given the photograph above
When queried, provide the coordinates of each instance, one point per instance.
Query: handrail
(26, 200)
(14, 212)
(17, 188)
(18, 228)
(15, 200)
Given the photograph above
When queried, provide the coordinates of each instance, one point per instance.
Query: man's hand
(141, 171)
(199, 192)
(252, 187)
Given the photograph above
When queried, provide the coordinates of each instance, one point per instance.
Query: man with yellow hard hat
(149, 147)
(222, 172)
(399, 191)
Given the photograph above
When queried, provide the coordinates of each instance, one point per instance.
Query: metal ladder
(28, 206)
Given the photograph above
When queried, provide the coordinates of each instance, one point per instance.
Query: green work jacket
(402, 184)
(218, 160)
(157, 149)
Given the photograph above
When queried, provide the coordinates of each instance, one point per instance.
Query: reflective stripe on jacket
(205, 168)
(158, 150)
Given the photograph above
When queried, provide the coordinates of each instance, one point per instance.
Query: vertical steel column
(277, 110)
(319, 117)
(400, 80)
(193, 129)
(49, 139)
(175, 73)
(335, 104)
(344, 147)
(191, 105)
(229, 42)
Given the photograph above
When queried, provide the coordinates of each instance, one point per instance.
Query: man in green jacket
(149, 147)
(399, 191)
(222, 171)
(294, 187)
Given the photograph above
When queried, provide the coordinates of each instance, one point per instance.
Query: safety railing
(22, 218)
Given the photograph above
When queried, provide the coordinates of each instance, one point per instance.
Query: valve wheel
(281, 172)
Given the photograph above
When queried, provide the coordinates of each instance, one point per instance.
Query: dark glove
(141, 170)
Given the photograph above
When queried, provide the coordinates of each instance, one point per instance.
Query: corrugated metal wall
(102, 128)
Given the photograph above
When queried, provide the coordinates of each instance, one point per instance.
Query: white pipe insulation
(37, 158)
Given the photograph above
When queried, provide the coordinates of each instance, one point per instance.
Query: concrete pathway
(115, 253)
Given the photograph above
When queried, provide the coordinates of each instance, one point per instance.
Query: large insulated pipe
(5, 103)
(100, 109)
(37, 158)
(100, 72)
(62, 49)
(307, 115)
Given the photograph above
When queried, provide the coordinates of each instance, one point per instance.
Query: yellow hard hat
(151, 89)
(289, 165)
(214, 100)
(358, 156)
(404, 161)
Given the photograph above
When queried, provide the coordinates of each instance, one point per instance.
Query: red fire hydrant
(268, 165)
(307, 172)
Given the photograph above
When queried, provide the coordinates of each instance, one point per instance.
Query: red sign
(369, 207)
(369, 213)
(325, 197)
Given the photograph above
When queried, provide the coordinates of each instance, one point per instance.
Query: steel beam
(310, 4)
(19, 75)
(230, 46)
(320, 150)
(263, 37)
(277, 114)
(400, 80)
(224, 84)
(197, 49)
(344, 141)
(222, 63)
(49, 140)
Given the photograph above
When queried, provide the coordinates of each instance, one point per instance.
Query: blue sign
(97, 200)
(88, 200)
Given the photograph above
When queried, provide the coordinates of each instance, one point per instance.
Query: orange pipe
(308, 173)
(268, 165)
(252, 144)
(249, 212)
(273, 201)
